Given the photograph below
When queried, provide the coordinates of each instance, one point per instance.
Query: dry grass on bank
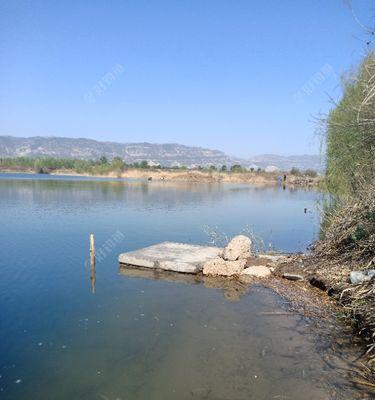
(349, 244)
(349, 231)
(255, 178)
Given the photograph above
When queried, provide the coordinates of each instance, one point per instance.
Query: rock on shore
(233, 259)
(220, 267)
(257, 271)
(239, 248)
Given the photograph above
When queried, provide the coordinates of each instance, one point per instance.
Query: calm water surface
(138, 338)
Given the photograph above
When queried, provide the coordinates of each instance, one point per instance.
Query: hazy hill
(169, 154)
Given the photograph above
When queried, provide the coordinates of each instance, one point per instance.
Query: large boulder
(220, 267)
(239, 248)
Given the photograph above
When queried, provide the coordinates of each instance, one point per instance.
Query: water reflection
(158, 211)
(232, 289)
(92, 277)
(140, 338)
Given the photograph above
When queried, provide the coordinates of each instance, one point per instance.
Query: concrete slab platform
(170, 256)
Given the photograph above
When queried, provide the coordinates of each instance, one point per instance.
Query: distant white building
(153, 163)
(271, 168)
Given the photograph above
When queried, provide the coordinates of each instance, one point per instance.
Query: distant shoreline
(254, 178)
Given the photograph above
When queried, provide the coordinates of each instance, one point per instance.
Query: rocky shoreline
(238, 260)
(348, 290)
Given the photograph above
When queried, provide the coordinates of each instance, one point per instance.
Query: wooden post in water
(92, 262)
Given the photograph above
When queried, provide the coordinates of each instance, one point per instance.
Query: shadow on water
(232, 290)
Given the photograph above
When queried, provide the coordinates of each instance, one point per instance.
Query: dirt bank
(255, 178)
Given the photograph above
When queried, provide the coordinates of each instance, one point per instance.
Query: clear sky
(246, 77)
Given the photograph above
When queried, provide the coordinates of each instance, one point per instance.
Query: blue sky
(245, 77)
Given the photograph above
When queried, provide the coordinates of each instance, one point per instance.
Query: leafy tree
(295, 171)
(118, 164)
(103, 160)
(311, 173)
(236, 168)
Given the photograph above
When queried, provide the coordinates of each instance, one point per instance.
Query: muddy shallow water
(164, 338)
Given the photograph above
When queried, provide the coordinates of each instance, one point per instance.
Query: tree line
(104, 165)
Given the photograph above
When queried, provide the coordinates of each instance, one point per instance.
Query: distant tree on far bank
(311, 173)
(236, 168)
(118, 164)
(295, 171)
(103, 160)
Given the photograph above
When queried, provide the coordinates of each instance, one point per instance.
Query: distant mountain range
(168, 155)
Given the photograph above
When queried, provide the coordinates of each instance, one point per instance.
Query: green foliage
(311, 173)
(295, 171)
(236, 168)
(223, 168)
(350, 132)
(350, 178)
(95, 167)
(118, 164)
(103, 160)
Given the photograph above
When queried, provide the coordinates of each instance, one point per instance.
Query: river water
(64, 336)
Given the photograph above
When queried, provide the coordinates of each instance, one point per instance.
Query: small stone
(361, 276)
(293, 277)
(258, 271)
(238, 248)
(318, 283)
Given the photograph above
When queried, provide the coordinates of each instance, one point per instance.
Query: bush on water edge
(348, 231)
